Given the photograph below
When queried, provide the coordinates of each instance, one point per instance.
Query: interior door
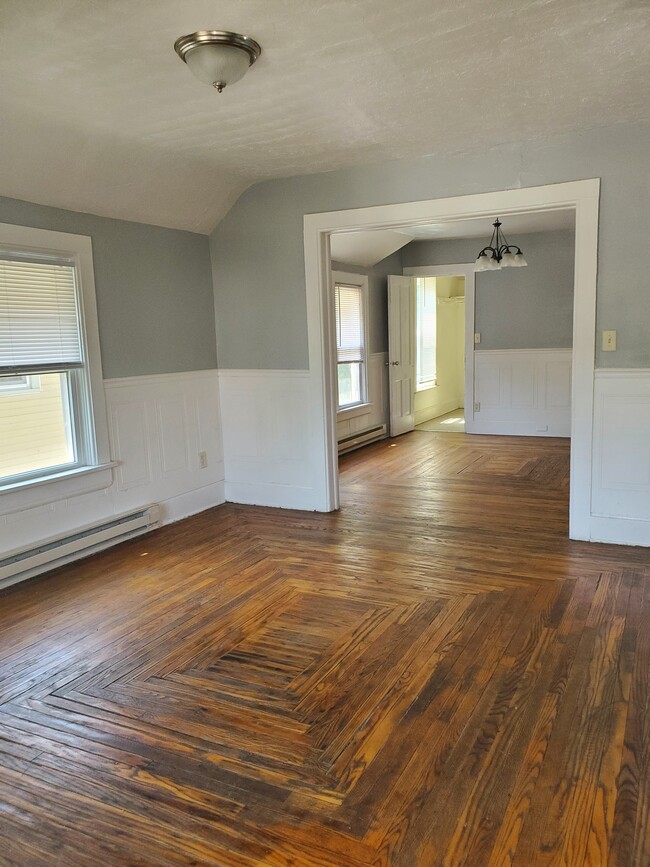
(401, 353)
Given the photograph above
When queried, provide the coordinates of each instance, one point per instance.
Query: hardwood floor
(433, 676)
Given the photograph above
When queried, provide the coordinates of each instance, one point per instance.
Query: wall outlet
(609, 341)
(477, 337)
(477, 406)
(203, 460)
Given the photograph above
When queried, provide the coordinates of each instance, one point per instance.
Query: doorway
(582, 196)
(442, 387)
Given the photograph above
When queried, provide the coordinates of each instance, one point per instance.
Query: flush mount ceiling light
(217, 57)
(498, 254)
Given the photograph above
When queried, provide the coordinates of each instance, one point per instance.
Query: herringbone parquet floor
(433, 676)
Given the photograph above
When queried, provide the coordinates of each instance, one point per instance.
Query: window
(351, 351)
(426, 300)
(51, 405)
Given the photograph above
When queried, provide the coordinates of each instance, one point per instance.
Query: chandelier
(498, 253)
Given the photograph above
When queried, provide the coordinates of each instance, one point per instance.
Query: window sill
(354, 411)
(428, 387)
(27, 494)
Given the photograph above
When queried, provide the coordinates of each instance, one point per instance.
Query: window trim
(364, 406)
(95, 452)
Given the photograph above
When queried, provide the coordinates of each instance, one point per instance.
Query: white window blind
(39, 316)
(349, 323)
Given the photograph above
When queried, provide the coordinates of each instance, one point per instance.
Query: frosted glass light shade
(481, 263)
(520, 262)
(218, 64)
(217, 57)
(507, 260)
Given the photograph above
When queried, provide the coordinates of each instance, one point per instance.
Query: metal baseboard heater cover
(362, 438)
(21, 564)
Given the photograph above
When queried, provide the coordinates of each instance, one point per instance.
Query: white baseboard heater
(362, 438)
(19, 565)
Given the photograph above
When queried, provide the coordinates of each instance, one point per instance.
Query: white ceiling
(367, 248)
(100, 115)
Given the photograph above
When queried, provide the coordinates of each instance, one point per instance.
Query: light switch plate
(609, 341)
(477, 337)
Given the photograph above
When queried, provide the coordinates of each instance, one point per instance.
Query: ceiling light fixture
(217, 57)
(498, 254)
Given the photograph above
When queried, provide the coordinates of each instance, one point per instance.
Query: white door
(401, 353)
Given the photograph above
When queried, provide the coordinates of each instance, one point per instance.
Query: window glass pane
(426, 330)
(349, 377)
(35, 428)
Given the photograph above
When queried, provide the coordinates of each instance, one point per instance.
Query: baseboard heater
(362, 438)
(22, 564)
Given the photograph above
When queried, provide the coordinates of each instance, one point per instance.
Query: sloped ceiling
(99, 115)
(366, 248)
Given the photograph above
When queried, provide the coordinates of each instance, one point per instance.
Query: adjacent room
(324, 433)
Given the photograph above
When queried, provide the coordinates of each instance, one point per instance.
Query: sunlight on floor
(453, 422)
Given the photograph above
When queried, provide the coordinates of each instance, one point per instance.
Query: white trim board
(582, 196)
(465, 270)
(523, 392)
(620, 499)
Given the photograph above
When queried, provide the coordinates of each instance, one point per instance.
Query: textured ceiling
(99, 115)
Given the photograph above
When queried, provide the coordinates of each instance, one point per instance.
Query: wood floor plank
(435, 675)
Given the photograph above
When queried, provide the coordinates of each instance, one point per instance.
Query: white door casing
(465, 270)
(582, 195)
(401, 353)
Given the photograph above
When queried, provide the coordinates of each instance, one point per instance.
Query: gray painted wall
(154, 290)
(257, 249)
(516, 308)
(377, 296)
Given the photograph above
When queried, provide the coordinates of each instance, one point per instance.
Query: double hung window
(351, 348)
(47, 413)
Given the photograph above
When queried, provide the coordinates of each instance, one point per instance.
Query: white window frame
(92, 471)
(424, 385)
(360, 280)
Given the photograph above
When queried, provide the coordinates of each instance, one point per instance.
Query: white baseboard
(276, 496)
(427, 414)
(192, 502)
(620, 531)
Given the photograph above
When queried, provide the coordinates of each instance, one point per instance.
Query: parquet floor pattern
(433, 676)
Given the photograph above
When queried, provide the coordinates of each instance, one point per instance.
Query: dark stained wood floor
(433, 676)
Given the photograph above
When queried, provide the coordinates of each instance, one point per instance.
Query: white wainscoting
(523, 392)
(272, 455)
(157, 425)
(376, 411)
(620, 497)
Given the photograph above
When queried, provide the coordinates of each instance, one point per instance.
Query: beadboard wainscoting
(620, 497)
(375, 412)
(271, 452)
(158, 425)
(523, 392)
